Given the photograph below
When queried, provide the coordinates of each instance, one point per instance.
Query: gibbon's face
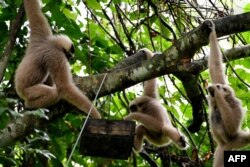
(70, 53)
(221, 89)
(64, 43)
(139, 104)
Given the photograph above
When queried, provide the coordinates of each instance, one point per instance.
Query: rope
(85, 122)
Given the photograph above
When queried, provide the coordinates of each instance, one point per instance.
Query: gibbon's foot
(137, 146)
(211, 90)
(182, 143)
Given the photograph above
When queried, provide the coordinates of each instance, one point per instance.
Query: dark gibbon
(47, 57)
(226, 112)
(155, 125)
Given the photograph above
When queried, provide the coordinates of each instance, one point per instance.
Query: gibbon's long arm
(38, 23)
(215, 59)
(68, 91)
(148, 121)
(151, 88)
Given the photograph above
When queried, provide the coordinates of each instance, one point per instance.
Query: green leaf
(7, 14)
(39, 113)
(116, 1)
(246, 36)
(101, 42)
(94, 4)
(247, 8)
(3, 32)
(69, 14)
(4, 117)
(114, 49)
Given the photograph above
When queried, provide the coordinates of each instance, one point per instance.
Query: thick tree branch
(167, 63)
(17, 129)
(173, 60)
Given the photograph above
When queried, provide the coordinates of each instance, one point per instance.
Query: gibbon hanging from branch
(47, 58)
(226, 112)
(155, 125)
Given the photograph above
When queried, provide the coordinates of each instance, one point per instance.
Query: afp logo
(236, 158)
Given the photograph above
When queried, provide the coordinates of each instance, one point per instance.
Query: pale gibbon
(226, 112)
(155, 125)
(47, 57)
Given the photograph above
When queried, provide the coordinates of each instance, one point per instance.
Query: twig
(131, 43)
(104, 29)
(160, 18)
(145, 156)
(15, 26)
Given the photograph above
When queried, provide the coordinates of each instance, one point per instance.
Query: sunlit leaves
(247, 8)
(69, 14)
(93, 4)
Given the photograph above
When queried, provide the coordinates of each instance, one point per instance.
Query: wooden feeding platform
(108, 138)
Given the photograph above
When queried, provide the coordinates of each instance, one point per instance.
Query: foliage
(105, 32)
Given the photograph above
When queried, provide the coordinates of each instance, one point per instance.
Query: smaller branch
(150, 161)
(104, 29)
(231, 54)
(131, 43)
(176, 87)
(196, 8)
(115, 31)
(235, 72)
(160, 18)
(210, 136)
(151, 29)
(15, 26)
